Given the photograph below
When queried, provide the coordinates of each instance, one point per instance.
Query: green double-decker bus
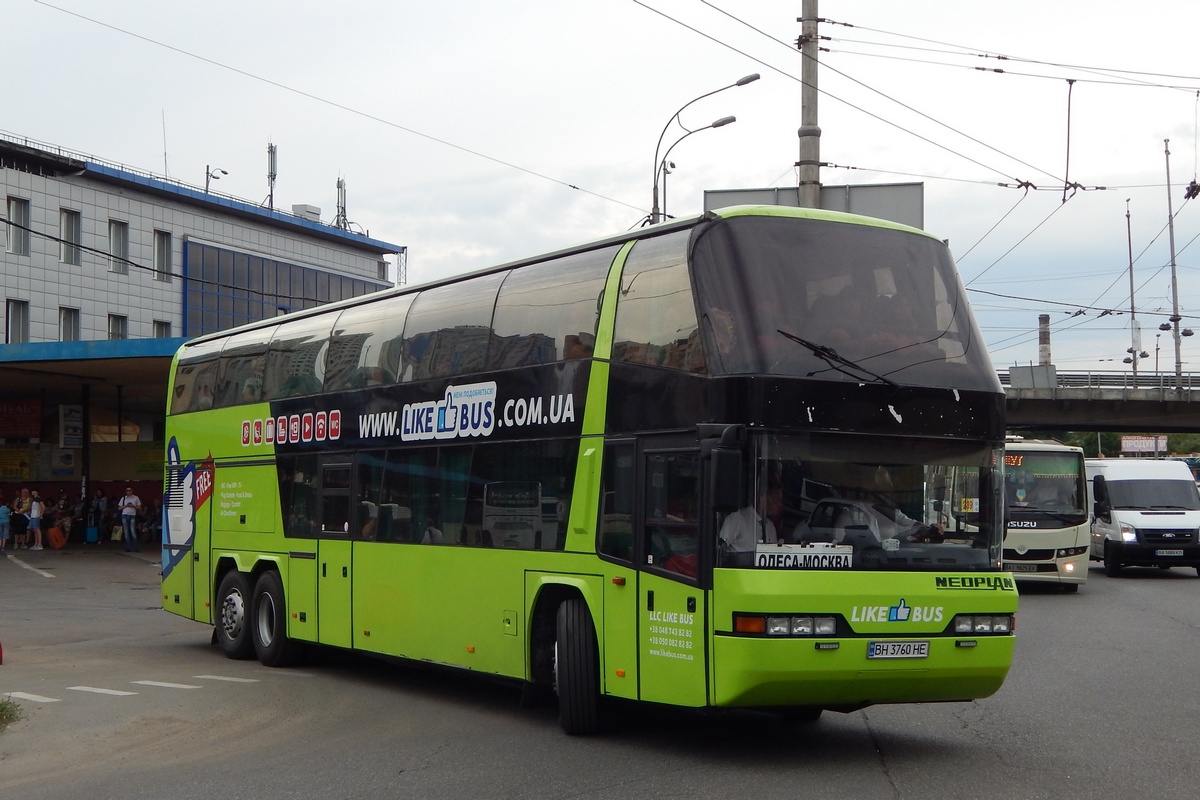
(710, 464)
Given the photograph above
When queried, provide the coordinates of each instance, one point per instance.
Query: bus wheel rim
(233, 614)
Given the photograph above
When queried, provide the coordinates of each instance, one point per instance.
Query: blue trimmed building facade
(105, 271)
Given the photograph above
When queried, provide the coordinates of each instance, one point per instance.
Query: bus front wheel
(576, 669)
(233, 624)
(269, 623)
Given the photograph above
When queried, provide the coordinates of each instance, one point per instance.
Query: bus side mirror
(725, 479)
(722, 445)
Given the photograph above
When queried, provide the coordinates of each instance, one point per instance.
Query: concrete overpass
(1040, 398)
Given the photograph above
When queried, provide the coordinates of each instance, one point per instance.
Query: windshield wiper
(831, 357)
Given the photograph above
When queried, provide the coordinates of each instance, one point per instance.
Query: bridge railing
(1119, 380)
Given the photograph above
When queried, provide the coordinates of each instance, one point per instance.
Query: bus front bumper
(837, 673)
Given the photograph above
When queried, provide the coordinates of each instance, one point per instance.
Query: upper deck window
(367, 345)
(548, 312)
(449, 328)
(296, 358)
(889, 301)
(656, 316)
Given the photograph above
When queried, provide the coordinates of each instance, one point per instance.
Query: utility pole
(1175, 318)
(1134, 333)
(808, 190)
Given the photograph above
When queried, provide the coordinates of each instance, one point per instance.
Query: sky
(477, 132)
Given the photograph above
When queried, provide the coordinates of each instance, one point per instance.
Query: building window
(16, 322)
(68, 324)
(18, 237)
(162, 329)
(162, 256)
(118, 246)
(118, 326)
(381, 270)
(70, 231)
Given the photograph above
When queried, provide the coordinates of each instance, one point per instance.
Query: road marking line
(23, 565)
(97, 690)
(167, 685)
(224, 678)
(33, 698)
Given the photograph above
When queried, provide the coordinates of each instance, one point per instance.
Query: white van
(1144, 513)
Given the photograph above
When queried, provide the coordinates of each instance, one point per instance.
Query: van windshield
(1140, 494)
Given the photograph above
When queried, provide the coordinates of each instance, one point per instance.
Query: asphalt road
(122, 700)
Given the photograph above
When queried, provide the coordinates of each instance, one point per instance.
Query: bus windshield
(1043, 482)
(776, 298)
(901, 504)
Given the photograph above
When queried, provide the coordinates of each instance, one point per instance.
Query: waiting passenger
(432, 534)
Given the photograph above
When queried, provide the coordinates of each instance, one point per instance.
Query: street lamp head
(723, 121)
(748, 79)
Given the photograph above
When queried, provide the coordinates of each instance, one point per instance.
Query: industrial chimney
(1044, 340)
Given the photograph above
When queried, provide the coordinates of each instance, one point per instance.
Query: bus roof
(660, 229)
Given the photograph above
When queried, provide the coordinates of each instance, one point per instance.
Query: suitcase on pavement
(93, 534)
(57, 539)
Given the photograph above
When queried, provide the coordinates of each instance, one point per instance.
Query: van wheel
(1112, 565)
(576, 669)
(233, 616)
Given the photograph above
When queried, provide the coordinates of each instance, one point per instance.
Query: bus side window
(614, 537)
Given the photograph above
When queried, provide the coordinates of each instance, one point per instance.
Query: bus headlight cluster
(982, 623)
(799, 625)
(1067, 552)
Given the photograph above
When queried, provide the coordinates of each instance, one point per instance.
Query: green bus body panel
(618, 633)
(464, 607)
(301, 583)
(757, 671)
(436, 603)
(177, 589)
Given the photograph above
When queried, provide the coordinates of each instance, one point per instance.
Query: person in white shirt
(745, 528)
(37, 508)
(129, 506)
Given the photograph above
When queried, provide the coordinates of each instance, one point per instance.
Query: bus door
(672, 618)
(334, 577)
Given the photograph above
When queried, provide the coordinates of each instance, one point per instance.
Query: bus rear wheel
(233, 629)
(576, 669)
(269, 623)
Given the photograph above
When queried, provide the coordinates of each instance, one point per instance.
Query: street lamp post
(211, 174)
(655, 212)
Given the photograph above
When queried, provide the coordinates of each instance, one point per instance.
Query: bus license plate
(897, 649)
(1020, 567)
(1168, 552)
